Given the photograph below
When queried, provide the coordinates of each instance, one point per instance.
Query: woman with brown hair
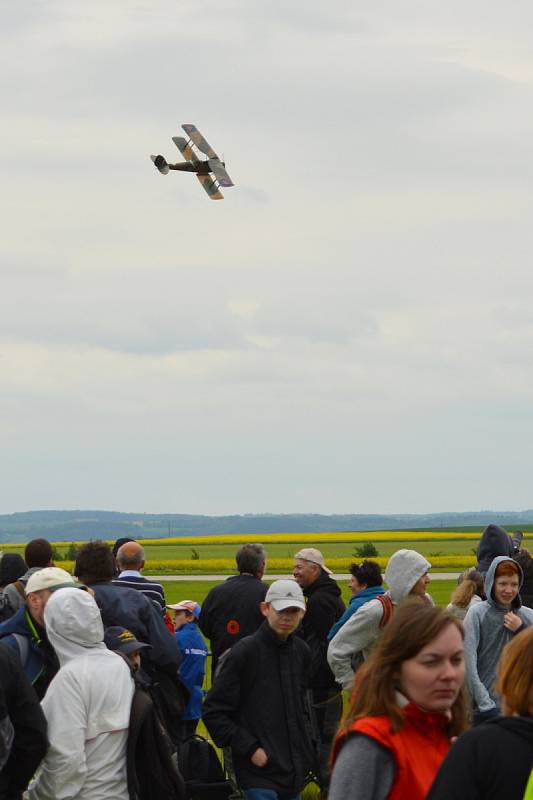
(494, 760)
(407, 703)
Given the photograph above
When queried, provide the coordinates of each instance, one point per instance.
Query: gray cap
(285, 594)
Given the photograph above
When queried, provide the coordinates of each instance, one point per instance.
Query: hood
(324, 583)
(489, 581)
(73, 624)
(519, 726)
(494, 542)
(404, 569)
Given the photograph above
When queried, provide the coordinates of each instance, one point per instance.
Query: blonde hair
(470, 583)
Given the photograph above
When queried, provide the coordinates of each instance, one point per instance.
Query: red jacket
(418, 748)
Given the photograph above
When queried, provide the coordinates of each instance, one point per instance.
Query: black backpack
(203, 773)
(152, 768)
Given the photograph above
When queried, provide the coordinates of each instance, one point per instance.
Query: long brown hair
(471, 583)
(413, 626)
(515, 669)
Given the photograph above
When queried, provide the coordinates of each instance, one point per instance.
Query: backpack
(7, 610)
(152, 770)
(203, 773)
(388, 609)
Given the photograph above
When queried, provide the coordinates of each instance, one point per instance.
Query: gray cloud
(348, 331)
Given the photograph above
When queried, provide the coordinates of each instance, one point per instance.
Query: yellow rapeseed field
(216, 565)
(331, 537)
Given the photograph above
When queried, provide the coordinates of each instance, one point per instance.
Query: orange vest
(418, 748)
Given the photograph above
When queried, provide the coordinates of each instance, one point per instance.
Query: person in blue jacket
(365, 584)
(193, 656)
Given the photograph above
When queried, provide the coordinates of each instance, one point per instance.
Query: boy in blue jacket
(193, 656)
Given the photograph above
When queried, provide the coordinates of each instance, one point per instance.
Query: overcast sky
(350, 330)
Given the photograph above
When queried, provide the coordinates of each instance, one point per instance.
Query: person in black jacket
(493, 760)
(256, 705)
(24, 726)
(231, 610)
(495, 541)
(324, 608)
(523, 557)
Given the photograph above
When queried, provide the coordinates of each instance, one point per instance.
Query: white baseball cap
(314, 556)
(285, 594)
(51, 578)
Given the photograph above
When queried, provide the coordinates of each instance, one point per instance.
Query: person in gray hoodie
(406, 574)
(489, 625)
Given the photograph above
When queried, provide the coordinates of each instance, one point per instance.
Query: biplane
(211, 172)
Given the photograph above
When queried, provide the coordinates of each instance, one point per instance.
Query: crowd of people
(102, 680)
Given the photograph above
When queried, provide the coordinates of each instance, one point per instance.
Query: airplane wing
(201, 143)
(217, 168)
(210, 186)
(185, 149)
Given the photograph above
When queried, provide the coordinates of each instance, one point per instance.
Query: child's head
(185, 611)
(507, 579)
(284, 607)
(123, 641)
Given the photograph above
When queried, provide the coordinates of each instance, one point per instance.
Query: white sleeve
(62, 772)
(355, 637)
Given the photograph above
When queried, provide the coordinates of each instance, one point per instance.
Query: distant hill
(79, 525)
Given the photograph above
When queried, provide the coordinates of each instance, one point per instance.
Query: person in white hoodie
(406, 574)
(87, 707)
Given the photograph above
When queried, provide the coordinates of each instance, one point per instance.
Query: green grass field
(197, 590)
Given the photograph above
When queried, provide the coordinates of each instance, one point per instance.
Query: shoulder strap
(19, 586)
(23, 647)
(388, 609)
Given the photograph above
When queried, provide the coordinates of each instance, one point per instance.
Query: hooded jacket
(354, 605)
(494, 542)
(40, 661)
(87, 707)
(324, 607)
(358, 635)
(485, 638)
(490, 762)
